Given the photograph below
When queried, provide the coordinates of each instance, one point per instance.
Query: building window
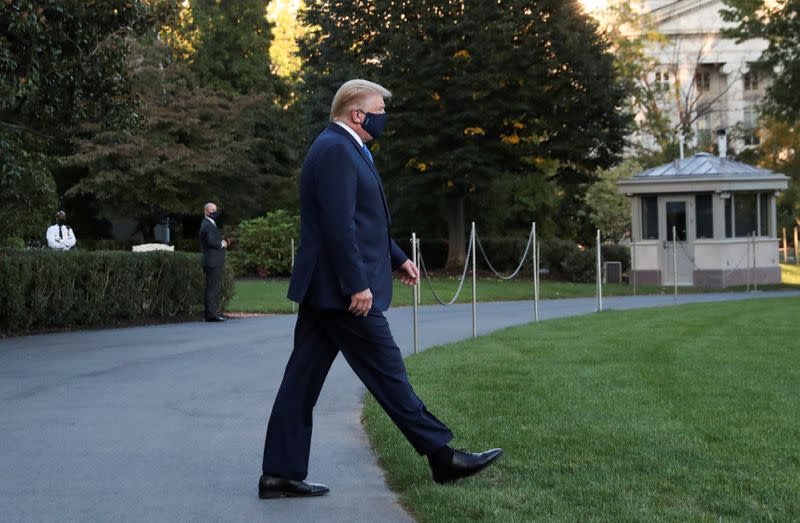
(705, 216)
(649, 218)
(750, 130)
(662, 78)
(751, 81)
(704, 135)
(702, 80)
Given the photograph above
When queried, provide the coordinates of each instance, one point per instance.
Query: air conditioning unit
(612, 272)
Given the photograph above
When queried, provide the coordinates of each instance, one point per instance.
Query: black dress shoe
(271, 488)
(463, 464)
(215, 318)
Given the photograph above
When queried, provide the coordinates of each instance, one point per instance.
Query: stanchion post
(474, 283)
(786, 246)
(633, 263)
(748, 270)
(796, 246)
(294, 305)
(538, 266)
(675, 263)
(535, 260)
(755, 261)
(599, 276)
(415, 298)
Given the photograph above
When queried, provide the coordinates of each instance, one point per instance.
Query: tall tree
(61, 64)
(609, 209)
(227, 44)
(286, 31)
(780, 151)
(778, 22)
(512, 89)
(194, 144)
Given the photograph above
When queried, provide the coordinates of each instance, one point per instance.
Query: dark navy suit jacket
(345, 244)
(213, 254)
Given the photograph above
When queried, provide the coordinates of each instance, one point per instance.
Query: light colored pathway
(166, 423)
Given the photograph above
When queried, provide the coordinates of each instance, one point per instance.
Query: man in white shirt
(59, 235)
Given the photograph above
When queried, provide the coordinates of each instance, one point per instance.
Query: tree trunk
(456, 252)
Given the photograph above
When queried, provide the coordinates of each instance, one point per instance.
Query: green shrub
(264, 244)
(566, 261)
(12, 242)
(52, 289)
(552, 254)
(618, 253)
(580, 266)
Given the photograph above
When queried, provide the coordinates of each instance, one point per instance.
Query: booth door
(678, 213)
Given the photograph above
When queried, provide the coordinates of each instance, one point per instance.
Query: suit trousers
(213, 287)
(369, 348)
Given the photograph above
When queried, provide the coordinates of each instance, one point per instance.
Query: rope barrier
(460, 284)
(521, 261)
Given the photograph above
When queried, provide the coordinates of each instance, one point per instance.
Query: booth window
(746, 213)
(650, 218)
(705, 216)
(729, 217)
(763, 204)
(744, 209)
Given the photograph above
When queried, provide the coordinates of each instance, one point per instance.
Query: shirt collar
(212, 221)
(349, 130)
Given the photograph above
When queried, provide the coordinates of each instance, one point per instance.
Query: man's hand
(225, 244)
(408, 273)
(361, 302)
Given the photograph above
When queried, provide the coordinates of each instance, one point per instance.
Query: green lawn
(790, 274)
(270, 295)
(689, 413)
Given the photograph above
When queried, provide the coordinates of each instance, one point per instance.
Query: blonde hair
(354, 91)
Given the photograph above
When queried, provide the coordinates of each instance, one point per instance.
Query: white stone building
(716, 79)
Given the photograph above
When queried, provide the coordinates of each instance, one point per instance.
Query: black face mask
(374, 123)
(214, 215)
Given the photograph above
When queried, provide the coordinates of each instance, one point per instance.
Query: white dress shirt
(352, 132)
(60, 237)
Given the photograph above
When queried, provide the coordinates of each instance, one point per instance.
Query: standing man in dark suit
(342, 279)
(213, 248)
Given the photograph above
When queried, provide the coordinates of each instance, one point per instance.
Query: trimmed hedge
(52, 289)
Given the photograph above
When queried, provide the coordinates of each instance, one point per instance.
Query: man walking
(212, 247)
(342, 279)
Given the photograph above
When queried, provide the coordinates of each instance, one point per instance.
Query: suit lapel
(377, 176)
(335, 127)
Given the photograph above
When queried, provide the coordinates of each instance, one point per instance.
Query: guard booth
(724, 216)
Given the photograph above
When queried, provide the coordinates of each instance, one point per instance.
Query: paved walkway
(166, 423)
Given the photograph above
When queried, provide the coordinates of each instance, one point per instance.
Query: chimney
(722, 143)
